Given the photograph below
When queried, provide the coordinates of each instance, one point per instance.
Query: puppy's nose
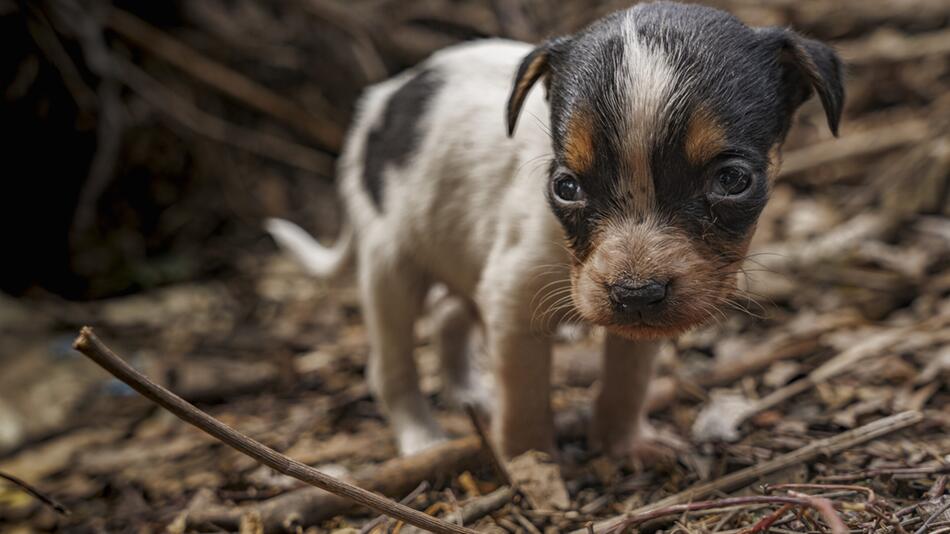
(629, 296)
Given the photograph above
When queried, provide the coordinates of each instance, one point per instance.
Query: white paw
(415, 439)
(476, 392)
(648, 447)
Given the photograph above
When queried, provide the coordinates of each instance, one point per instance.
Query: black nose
(629, 296)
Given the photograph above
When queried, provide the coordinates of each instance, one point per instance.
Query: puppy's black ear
(532, 68)
(810, 66)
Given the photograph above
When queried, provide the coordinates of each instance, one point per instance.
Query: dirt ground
(846, 323)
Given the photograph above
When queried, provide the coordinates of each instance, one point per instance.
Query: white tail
(317, 259)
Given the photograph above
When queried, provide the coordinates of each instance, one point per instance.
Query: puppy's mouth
(680, 309)
(646, 330)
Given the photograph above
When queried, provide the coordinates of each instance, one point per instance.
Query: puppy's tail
(321, 261)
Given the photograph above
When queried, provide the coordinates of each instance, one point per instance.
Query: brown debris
(232, 111)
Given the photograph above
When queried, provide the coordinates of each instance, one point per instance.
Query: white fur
(649, 82)
(314, 257)
(467, 210)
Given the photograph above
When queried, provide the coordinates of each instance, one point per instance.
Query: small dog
(627, 199)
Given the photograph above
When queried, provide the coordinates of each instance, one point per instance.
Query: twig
(883, 471)
(483, 506)
(763, 524)
(823, 506)
(939, 486)
(407, 500)
(39, 495)
(827, 511)
(497, 465)
(767, 488)
(933, 516)
(743, 477)
(90, 345)
(309, 505)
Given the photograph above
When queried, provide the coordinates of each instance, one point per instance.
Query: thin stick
(933, 516)
(896, 472)
(90, 345)
(743, 477)
(763, 524)
(420, 489)
(497, 465)
(39, 495)
(872, 497)
(821, 505)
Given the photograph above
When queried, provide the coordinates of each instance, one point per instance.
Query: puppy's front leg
(523, 418)
(620, 424)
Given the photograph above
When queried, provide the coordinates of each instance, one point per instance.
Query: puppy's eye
(567, 189)
(731, 181)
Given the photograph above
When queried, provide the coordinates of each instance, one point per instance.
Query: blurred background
(144, 142)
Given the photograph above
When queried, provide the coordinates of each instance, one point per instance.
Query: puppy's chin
(688, 310)
(636, 332)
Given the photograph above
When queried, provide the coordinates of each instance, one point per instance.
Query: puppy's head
(667, 122)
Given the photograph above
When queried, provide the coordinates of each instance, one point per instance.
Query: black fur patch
(750, 80)
(397, 135)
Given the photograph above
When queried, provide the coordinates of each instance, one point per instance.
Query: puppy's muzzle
(631, 298)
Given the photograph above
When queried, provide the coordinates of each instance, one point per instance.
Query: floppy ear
(532, 68)
(811, 67)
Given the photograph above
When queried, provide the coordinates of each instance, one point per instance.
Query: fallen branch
(310, 505)
(734, 481)
(393, 478)
(90, 345)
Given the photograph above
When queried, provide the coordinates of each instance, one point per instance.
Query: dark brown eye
(567, 189)
(732, 181)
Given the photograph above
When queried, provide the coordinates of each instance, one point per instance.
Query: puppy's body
(464, 180)
(464, 208)
(626, 198)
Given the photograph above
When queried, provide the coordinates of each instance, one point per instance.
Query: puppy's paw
(536, 437)
(642, 446)
(475, 392)
(417, 438)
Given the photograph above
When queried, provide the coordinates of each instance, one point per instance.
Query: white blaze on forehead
(648, 86)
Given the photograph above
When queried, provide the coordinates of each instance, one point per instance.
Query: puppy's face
(667, 121)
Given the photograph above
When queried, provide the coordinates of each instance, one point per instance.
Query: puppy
(626, 198)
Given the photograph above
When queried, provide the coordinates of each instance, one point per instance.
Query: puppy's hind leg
(392, 293)
(454, 336)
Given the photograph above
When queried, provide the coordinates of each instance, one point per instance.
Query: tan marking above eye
(705, 137)
(579, 142)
